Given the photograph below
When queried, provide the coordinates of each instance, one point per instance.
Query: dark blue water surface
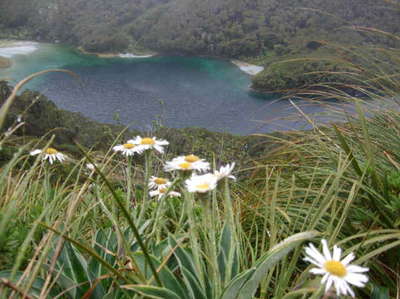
(175, 91)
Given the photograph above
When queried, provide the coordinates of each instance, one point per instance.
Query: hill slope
(267, 30)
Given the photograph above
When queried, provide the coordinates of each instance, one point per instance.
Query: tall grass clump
(354, 159)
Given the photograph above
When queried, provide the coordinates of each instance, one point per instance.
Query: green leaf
(270, 259)
(379, 292)
(348, 151)
(166, 276)
(227, 258)
(75, 275)
(36, 287)
(193, 285)
(105, 245)
(89, 251)
(233, 289)
(300, 292)
(188, 270)
(152, 292)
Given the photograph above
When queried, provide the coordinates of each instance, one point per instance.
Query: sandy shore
(248, 68)
(10, 48)
(115, 55)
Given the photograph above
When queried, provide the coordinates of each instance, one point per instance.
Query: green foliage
(80, 237)
(297, 73)
(264, 31)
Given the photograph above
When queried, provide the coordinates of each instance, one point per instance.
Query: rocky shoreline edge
(248, 68)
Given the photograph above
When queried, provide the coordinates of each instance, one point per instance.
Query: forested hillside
(266, 29)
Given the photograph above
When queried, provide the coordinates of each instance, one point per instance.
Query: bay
(174, 91)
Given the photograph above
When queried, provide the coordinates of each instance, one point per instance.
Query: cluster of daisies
(336, 272)
(200, 181)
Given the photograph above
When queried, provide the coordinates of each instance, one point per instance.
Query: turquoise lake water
(175, 91)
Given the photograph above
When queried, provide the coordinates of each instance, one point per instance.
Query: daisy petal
(35, 152)
(356, 269)
(325, 250)
(348, 259)
(337, 252)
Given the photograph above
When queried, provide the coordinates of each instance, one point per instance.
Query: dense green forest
(255, 30)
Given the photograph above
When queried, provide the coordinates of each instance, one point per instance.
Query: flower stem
(147, 171)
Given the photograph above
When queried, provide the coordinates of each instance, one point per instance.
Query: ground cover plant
(134, 222)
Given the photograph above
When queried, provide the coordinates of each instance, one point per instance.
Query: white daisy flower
(128, 149)
(201, 183)
(225, 172)
(50, 154)
(335, 271)
(90, 166)
(187, 163)
(158, 183)
(150, 143)
(163, 192)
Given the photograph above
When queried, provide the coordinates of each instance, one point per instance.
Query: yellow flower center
(192, 158)
(128, 146)
(184, 165)
(148, 141)
(51, 151)
(162, 190)
(160, 181)
(203, 186)
(335, 268)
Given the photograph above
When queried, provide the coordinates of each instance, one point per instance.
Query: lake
(173, 91)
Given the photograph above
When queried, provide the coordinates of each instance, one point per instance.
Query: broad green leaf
(88, 250)
(184, 257)
(152, 291)
(300, 292)
(105, 244)
(227, 258)
(380, 293)
(270, 259)
(74, 266)
(36, 287)
(193, 285)
(168, 279)
(236, 284)
(188, 270)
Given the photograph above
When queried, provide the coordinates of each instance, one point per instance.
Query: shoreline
(248, 68)
(11, 48)
(18, 47)
(6, 61)
(114, 55)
